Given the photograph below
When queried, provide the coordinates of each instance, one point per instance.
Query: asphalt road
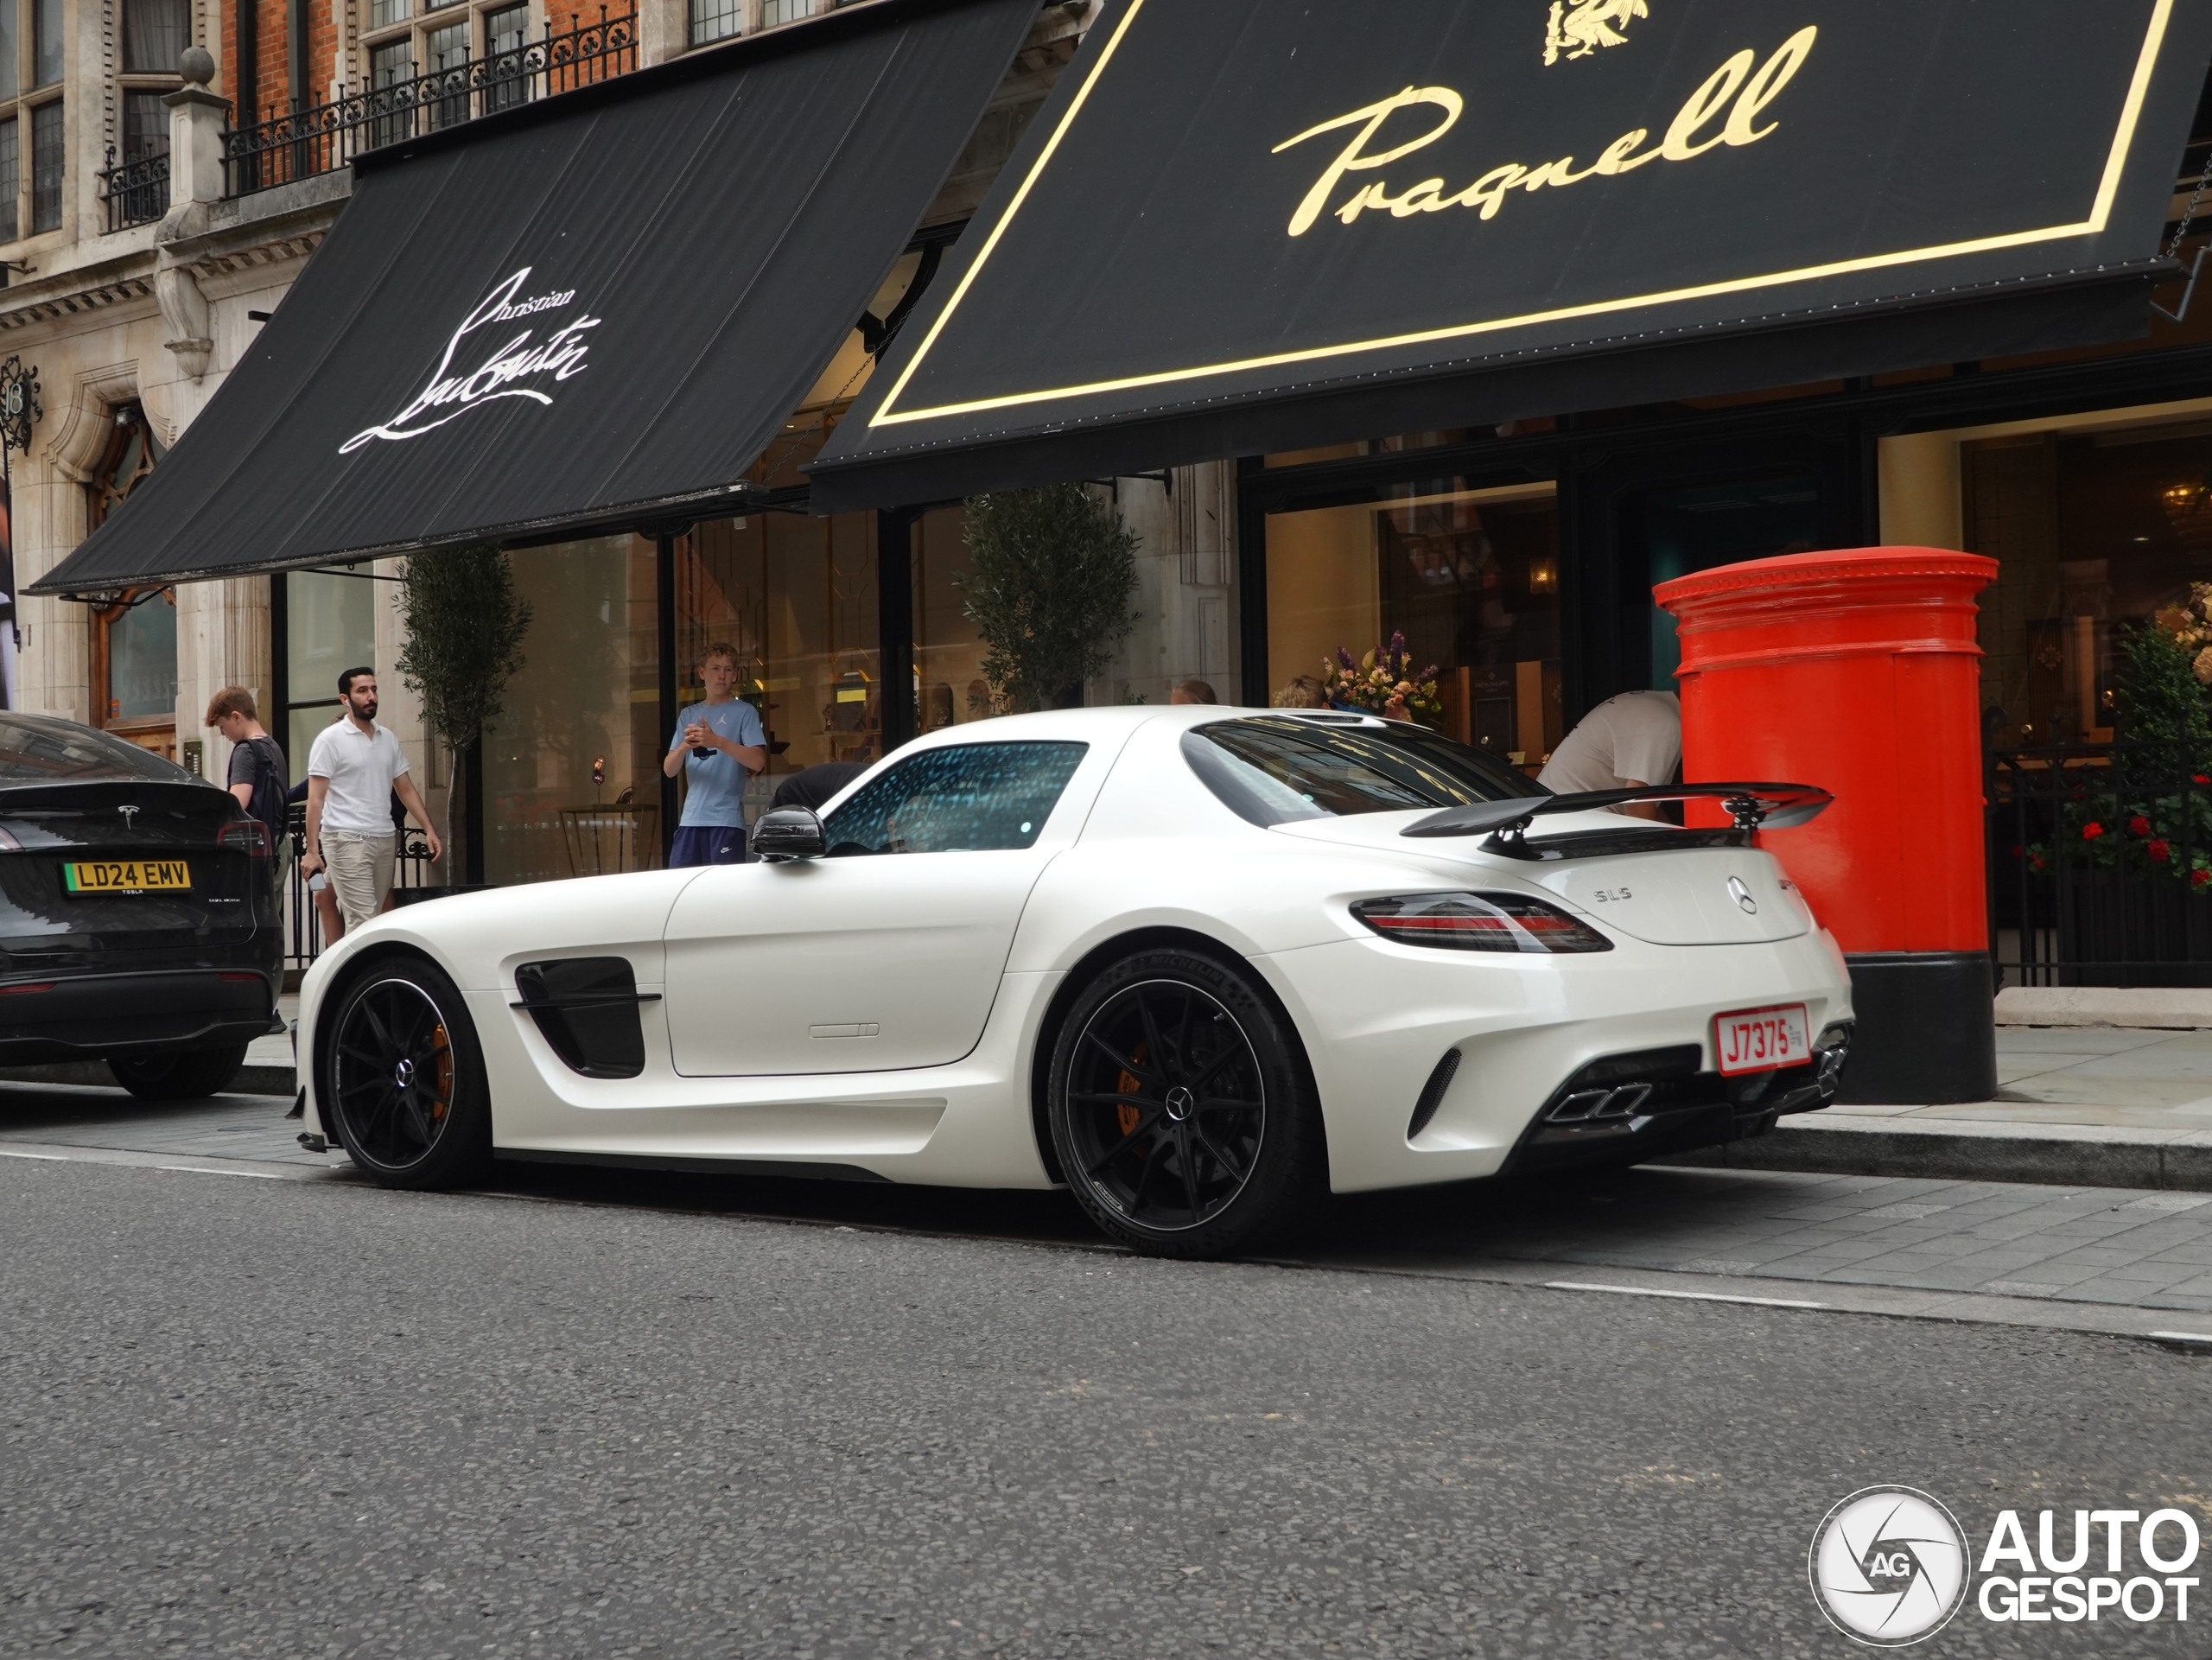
(283, 1417)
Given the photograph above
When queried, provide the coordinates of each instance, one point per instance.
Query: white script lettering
(559, 356)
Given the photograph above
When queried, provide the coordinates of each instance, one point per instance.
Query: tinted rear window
(1276, 769)
(33, 751)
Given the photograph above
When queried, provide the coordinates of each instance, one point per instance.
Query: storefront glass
(2095, 533)
(796, 597)
(330, 626)
(571, 764)
(1470, 577)
(949, 688)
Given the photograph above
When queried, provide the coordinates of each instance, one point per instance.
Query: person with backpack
(257, 772)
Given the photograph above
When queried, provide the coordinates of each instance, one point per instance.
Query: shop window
(796, 597)
(2093, 534)
(1470, 577)
(133, 640)
(1697, 529)
(329, 626)
(948, 686)
(572, 763)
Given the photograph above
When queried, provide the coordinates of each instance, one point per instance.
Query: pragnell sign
(520, 365)
(1726, 110)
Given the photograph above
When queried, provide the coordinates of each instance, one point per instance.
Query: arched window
(134, 640)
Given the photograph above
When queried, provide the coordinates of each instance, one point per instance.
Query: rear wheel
(1181, 1111)
(402, 1079)
(187, 1076)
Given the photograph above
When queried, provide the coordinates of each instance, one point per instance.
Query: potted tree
(465, 625)
(1051, 571)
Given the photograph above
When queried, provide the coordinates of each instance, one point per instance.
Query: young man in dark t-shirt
(257, 770)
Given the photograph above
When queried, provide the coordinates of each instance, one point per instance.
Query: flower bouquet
(1385, 676)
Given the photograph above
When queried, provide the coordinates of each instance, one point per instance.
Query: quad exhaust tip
(1585, 1105)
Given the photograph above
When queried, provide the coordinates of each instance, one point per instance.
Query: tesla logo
(130, 816)
(520, 365)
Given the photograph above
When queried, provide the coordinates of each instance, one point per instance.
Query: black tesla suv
(139, 918)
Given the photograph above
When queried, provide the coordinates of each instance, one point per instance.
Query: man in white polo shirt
(353, 771)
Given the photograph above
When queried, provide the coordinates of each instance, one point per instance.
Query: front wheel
(402, 1081)
(1181, 1111)
(192, 1076)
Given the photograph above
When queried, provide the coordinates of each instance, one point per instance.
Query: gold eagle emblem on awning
(1579, 27)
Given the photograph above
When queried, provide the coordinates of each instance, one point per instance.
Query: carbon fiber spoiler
(1753, 806)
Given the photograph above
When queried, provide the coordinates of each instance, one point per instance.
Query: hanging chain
(2181, 235)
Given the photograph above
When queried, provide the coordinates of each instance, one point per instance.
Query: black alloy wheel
(403, 1079)
(1181, 1109)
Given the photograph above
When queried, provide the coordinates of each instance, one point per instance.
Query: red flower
(2090, 832)
(2156, 849)
(2198, 878)
(2199, 778)
(2016, 850)
(2139, 826)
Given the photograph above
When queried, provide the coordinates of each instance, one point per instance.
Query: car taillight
(247, 836)
(1480, 922)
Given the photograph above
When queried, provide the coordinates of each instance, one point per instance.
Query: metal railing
(303, 940)
(281, 147)
(134, 193)
(2101, 865)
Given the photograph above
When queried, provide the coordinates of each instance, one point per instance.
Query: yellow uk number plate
(126, 875)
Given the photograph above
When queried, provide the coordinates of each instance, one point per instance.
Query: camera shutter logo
(1889, 1567)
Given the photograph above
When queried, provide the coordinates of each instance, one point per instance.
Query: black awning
(1243, 225)
(576, 315)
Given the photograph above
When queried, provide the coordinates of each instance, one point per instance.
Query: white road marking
(203, 1170)
(1685, 1296)
(2182, 1337)
(49, 1158)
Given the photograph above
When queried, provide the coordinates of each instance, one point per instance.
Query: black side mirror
(787, 834)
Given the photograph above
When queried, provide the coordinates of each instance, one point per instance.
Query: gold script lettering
(1776, 73)
(1705, 104)
(1353, 160)
(1734, 89)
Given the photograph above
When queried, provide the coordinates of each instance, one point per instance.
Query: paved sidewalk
(2109, 1105)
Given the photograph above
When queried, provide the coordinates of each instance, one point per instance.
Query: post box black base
(1927, 1029)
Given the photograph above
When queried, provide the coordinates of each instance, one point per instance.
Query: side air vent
(587, 1008)
(1432, 1093)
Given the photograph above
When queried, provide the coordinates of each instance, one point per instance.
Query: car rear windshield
(1273, 769)
(35, 751)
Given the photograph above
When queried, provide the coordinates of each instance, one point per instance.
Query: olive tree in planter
(1050, 576)
(464, 624)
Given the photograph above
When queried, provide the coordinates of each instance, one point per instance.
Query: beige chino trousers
(360, 872)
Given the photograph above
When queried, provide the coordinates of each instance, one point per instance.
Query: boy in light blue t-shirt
(717, 745)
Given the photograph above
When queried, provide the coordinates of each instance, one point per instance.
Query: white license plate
(1760, 1039)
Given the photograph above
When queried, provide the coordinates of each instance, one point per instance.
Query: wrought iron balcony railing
(282, 147)
(133, 192)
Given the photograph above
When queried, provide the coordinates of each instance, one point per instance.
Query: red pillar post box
(1858, 671)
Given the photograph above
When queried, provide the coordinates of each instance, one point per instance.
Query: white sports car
(1202, 966)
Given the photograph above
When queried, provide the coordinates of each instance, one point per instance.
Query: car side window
(962, 798)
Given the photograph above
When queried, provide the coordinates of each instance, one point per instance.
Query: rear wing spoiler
(1753, 806)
